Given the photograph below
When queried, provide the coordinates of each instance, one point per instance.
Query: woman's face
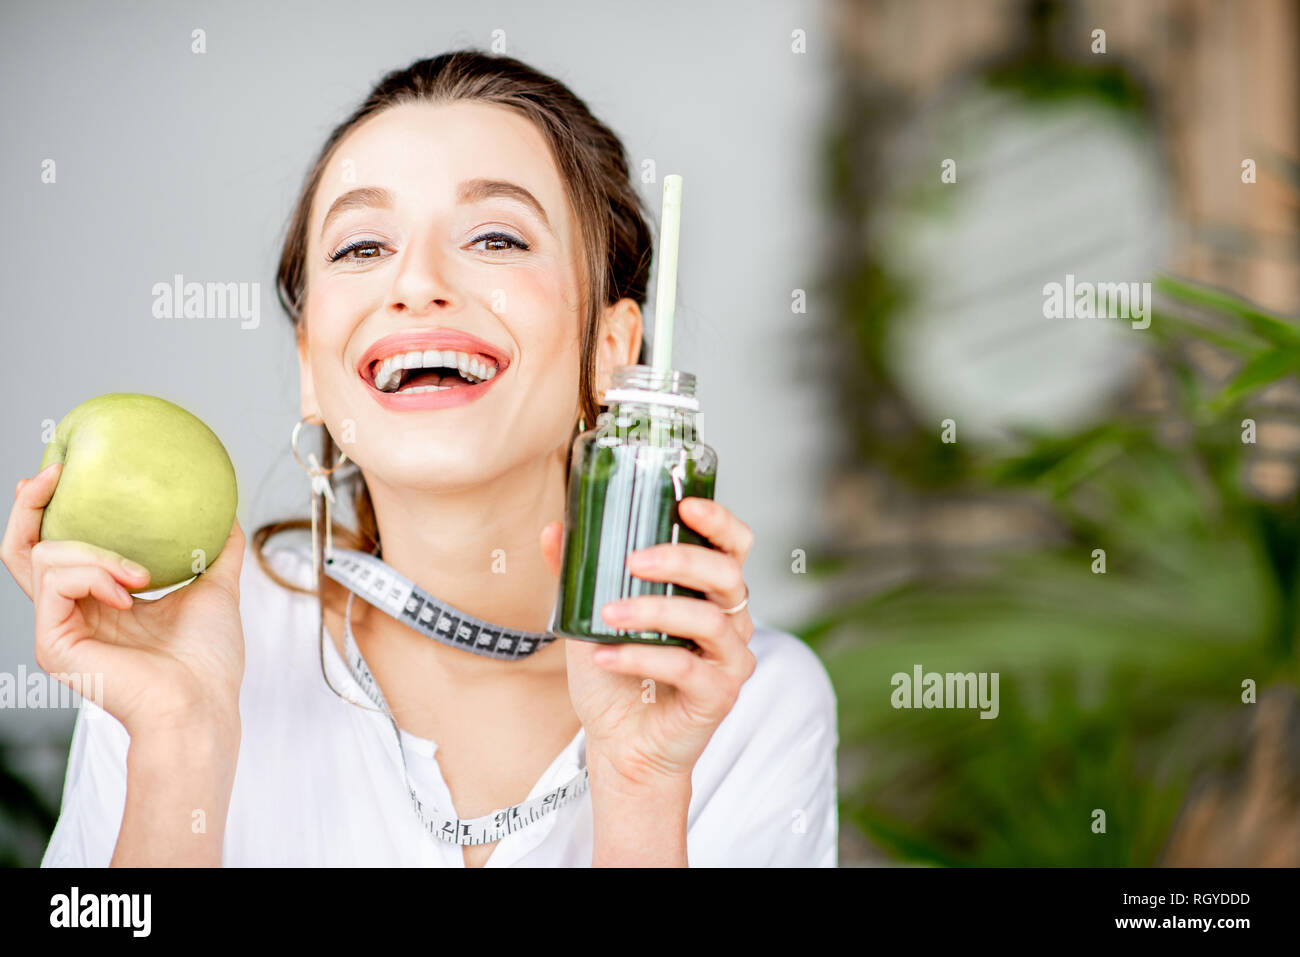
(441, 236)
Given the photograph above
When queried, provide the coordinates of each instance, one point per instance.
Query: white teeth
(388, 374)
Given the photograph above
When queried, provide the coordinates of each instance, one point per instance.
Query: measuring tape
(398, 596)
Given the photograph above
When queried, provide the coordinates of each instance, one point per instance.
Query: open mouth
(430, 370)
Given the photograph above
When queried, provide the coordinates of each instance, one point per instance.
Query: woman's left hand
(649, 710)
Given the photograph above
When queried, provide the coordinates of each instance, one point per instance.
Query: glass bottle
(626, 477)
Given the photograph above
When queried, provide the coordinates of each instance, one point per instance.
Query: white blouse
(319, 781)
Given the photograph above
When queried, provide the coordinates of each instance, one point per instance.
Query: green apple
(143, 478)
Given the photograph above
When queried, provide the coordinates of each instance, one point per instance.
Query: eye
(370, 248)
(499, 242)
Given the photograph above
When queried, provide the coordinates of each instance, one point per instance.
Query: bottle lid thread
(644, 383)
(690, 403)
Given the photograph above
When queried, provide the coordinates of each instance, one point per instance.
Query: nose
(421, 284)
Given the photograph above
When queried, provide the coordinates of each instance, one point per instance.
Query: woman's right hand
(169, 666)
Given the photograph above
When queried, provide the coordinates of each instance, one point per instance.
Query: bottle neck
(672, 386)
(634, 422)
(632, 394)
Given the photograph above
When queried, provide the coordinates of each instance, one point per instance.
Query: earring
(321, 488)
(582, 423)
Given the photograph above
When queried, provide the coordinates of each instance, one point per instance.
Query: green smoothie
(623, 492)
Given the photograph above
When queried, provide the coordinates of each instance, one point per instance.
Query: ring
(740, 607)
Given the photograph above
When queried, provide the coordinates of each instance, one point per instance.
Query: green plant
(1117, 689)
(26, 819)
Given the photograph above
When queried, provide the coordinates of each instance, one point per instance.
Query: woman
(472, 205)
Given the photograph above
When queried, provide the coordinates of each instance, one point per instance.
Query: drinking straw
(666, 292)
(670, 227)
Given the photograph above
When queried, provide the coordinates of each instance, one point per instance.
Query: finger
(58, 589)
(72, 554)
(715, 573)
(701, 621)
(23, 529)
(551, 542)
(225, 570)
(716, 523)
(702, 683)
(71, 654)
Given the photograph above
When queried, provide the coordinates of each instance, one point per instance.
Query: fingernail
(614, 611)
(123, 593)
(49, 468)
(605, 656)
(134, 569)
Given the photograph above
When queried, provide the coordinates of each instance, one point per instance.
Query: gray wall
(171, 162)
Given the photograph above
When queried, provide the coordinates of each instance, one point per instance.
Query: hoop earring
(321, 488)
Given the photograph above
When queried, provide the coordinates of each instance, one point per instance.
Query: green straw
(666, 293)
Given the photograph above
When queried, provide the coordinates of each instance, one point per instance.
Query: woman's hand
(168, 666)
(649, 711)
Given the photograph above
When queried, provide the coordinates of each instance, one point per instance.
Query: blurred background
(1102, 511)
(1114, 529)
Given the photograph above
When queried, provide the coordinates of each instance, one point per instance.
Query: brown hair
(615, 233)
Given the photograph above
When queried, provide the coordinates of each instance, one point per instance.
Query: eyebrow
(470, 191)
(477, 190)
(364, 197)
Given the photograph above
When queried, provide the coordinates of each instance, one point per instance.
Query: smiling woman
(465, 270)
